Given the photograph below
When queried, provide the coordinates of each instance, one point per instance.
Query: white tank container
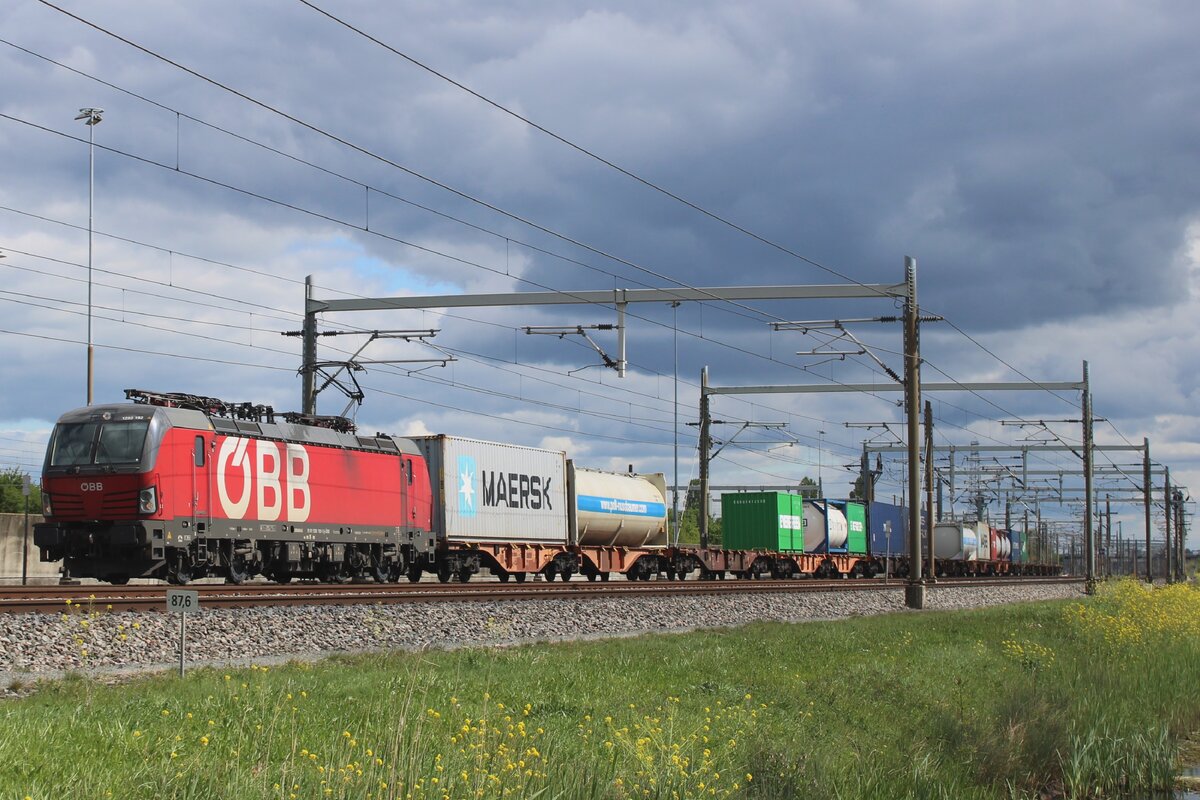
(823, 522)
(492, 492)
(983, 535)
(613, 508)
(1005, 546)
(956, 541)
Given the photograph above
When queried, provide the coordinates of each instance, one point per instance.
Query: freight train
(179, 487)
(845, 537)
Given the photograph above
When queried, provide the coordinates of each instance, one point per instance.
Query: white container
(617, 509)
(956, 541)
(825, 527)
(492, 492)
(983, 535)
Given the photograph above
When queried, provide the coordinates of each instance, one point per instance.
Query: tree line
(12, 501)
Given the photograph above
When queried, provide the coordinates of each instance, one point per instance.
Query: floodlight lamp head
(92, 115)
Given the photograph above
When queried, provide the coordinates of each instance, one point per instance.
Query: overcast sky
(1039, 161)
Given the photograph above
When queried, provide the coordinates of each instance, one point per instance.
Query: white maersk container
(955, 540)
(492, 492)
(619, 509)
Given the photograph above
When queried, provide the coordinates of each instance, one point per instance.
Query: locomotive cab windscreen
(85, 444)
(105, 443)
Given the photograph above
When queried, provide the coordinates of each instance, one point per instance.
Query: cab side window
(199, 451)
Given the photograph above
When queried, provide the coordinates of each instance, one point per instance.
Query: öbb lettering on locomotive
(273, 475)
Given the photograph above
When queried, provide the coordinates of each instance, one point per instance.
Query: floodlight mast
(90, 117)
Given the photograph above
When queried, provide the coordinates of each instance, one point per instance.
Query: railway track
(54, 599)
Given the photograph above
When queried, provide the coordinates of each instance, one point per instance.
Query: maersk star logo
(466, 486)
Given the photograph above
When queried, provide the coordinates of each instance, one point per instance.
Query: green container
(856, 527)
(856, 522)
(762, 521)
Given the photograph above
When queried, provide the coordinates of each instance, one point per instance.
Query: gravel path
(101, 641)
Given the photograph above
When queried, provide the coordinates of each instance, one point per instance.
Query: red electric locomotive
(179, 487)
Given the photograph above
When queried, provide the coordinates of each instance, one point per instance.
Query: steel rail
(64, 599)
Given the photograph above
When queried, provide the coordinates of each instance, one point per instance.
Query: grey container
(493, 492)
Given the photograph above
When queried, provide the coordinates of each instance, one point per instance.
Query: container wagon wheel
(604, 577)
(520, 577)
(443, 573)
(503, 575)
(465, 574)
(414, 573)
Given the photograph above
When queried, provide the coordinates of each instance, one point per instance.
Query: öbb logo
(278, 479)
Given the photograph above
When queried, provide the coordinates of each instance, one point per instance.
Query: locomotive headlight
(47, 508)
(147, 501)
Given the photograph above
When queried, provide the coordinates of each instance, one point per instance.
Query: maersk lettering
(515, 490)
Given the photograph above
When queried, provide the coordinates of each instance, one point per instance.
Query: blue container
(1017, 538)
(889, 529)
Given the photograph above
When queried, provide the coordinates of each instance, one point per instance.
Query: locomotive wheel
(380, 572)
(282, 577)
(238, 571)
(520, 577)
(179, 572)
(118, 580)
(399, 568)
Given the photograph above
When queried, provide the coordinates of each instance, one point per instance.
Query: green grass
(998, 703)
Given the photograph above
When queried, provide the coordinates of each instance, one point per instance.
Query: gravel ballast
(94, 639)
